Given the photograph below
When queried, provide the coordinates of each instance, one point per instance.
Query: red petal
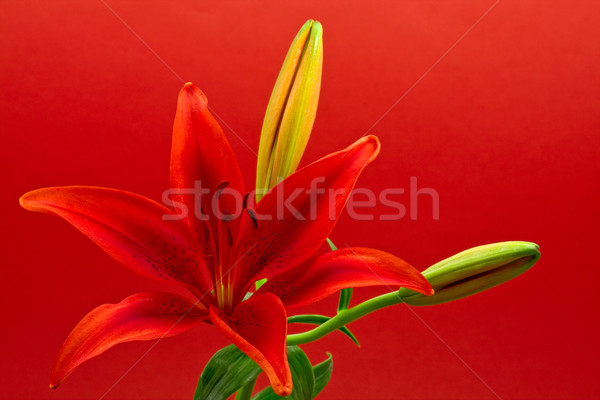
(143, 316)
(258, 327)
(200, 150)
(326, 274)
(201, 155)
(130, 228)
(288, 238)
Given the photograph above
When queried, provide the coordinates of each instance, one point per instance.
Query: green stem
(345, 317)
(245, 393)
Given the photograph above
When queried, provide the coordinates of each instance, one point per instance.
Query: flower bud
(292, 109)
(473, 271)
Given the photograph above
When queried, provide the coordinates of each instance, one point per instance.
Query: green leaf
(245, 393)
(345, 297)
(331, 245)
(318, 320)
(227, 371)
(322, 373)
(302, 376)
(259, 283)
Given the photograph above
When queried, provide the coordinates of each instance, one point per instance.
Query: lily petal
(326, 274)
(142, 316)
(297, 215)
(200, 150)
(131, 229)
(258, 327)
(202, 159)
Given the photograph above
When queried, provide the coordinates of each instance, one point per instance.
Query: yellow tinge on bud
(473, 271)
(292, 109)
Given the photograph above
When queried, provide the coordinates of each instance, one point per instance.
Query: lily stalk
(291, 110)
(464, 274)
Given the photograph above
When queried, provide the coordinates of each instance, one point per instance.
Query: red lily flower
(219, 258)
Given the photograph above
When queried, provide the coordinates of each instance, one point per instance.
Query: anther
(252, 218)
(220, 188)
(245, 201)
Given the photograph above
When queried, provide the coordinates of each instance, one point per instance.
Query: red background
(505, 128)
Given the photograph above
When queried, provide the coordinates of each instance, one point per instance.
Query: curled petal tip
(192, 90)
(283, 390)
(373, 138)
(31, 200)
(55, 381)
(23, 201)
(424, 288)
(373, 141)
(189, 87)
(369, 146)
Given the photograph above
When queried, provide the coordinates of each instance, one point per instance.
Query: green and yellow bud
(292, 109)
(473, 271)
